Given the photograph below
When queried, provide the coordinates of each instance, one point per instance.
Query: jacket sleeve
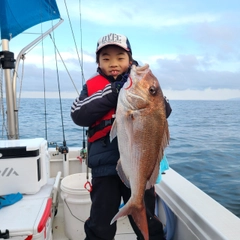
(86, 110)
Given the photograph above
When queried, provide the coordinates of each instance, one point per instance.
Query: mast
(7, 64)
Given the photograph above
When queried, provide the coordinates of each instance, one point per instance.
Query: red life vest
(103, 126)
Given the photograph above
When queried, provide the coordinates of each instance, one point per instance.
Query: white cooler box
(24, 165)
(30, 218)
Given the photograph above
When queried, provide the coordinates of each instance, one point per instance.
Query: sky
(192, 47)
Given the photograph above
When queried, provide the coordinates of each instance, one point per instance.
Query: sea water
(204, 145)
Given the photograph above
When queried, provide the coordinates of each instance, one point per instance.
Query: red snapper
(142, 130)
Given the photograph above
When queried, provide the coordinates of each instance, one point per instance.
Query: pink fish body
(142, 130)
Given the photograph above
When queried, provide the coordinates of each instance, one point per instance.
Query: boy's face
(113, 60)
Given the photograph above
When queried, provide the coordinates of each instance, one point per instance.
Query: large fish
(142, 130)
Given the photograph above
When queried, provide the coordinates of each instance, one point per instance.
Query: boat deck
(124, 229)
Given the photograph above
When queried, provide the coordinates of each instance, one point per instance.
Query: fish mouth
(130, 83)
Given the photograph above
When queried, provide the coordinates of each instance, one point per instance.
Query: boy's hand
(118, 85)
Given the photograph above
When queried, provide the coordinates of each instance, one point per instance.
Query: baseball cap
(114, 39)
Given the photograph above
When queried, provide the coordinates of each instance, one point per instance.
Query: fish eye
(152, 90)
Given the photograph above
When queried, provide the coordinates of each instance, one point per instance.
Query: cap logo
(112, 38)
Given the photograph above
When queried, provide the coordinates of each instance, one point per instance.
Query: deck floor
(124, 229)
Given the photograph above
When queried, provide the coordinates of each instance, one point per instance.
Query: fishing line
(44, 87)
(59, 54)
(44, 78)
(80, 29)
(79, 60)
(74, 39)
(59, 91)
(44, 83)
(83, 82)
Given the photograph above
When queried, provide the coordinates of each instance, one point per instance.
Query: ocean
(204, 145)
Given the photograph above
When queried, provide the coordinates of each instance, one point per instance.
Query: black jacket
(85, 111)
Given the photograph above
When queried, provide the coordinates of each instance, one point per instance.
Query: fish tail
(138, 214)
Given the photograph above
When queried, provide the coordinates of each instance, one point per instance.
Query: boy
(94, 108)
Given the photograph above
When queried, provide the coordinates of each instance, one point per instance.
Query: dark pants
(106, 198)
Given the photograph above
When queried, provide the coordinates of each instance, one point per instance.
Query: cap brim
(113, 44)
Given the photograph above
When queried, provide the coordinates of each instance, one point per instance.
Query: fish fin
(124, 211)
(113, 132)
(165, 142)
(138, 215)
(122, 175)
(152, 180)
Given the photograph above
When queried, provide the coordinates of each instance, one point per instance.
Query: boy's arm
(86, 110)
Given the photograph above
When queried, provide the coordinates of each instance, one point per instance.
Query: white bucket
(76, 206)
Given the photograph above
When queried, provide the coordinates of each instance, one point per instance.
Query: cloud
(189, 72)
(137, 13)
(175, 72)
(206, 94)
(35, 79)
(221, 37)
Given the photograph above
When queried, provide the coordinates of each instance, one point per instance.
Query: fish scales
(142, 130)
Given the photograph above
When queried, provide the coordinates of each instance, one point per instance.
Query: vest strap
(100, 126)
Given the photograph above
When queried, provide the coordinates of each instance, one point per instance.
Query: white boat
(186, 212)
